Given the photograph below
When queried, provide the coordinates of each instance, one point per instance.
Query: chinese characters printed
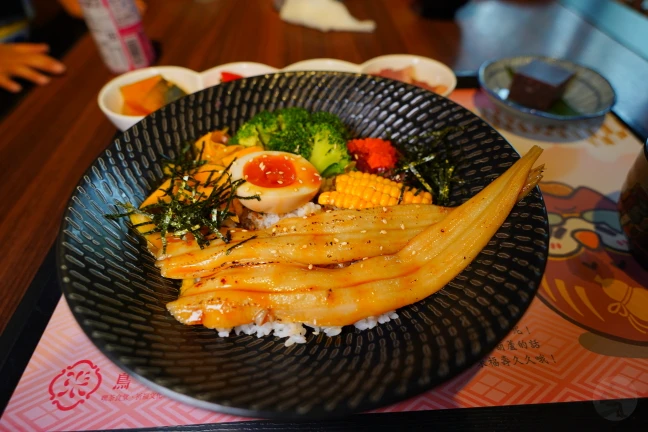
(123, 383)
(127, 397)
(513, 358)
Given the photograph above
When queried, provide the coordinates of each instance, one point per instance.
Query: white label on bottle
(117, 29)
(105, 33)
(135, 49)
(125, 13)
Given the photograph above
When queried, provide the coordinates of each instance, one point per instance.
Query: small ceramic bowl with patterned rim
(588, 94)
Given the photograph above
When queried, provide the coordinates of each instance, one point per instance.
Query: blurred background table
(55, 132)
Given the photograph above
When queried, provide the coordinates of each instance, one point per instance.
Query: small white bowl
(212, 77)
(430, 71)
(324, 64)
(111, 102)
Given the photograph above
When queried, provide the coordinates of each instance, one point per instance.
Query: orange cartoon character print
(591, 278)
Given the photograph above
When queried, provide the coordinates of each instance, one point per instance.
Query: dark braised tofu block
(539, 85)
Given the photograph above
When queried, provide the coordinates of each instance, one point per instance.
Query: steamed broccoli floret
(329, 152)
(290, 118)
(257, 131)
(319, 137)
(294, 140)
(247, 135)
(266, 124)
(332, 120)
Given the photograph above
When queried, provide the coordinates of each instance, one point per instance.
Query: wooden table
(49, 140)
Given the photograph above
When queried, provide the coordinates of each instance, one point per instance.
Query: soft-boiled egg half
(282, 181)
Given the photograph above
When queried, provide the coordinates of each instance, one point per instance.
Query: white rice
(296, 333)
(266, 220)
(371, 322)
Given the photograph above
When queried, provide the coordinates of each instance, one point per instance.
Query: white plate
(331, 65)
(111, 102)
(427, 70)
(212, 77)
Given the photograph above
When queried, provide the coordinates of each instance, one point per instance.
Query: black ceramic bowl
(119, 297)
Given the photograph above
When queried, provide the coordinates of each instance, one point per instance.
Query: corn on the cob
(357, 190)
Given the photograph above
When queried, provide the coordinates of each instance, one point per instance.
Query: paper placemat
(585, 336)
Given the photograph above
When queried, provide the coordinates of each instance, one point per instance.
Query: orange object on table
(148, 95)
(135, 93)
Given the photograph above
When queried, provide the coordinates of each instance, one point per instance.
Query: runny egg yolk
(282, 181)
(270, 171)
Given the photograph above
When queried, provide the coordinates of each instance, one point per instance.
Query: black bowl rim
(261, 414)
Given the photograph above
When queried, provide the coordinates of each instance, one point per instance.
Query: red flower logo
(74, 385)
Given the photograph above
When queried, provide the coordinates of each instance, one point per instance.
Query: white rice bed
(295, 333)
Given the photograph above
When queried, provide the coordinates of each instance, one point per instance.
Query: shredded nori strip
(189, 210)
(431, 168)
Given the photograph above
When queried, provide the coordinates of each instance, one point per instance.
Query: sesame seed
(301, 181)
(244, 230)
(328, 211)
(304, 247)
(285, 157)
(303, 168)
(361, 265)
(262, 166)
(363, 231)
(310, 266)
(274, 229)
(344, 243)
(265, 156)
(383, 232)
(274, 252)
(232, 231)
(268, 172)
(402, 226)
(246, 176)
(417, 206)
(279, 181)
(365, 258)
(305, 217)
(384, 221)
(280, 172)
(384, 209)
(336, 240)
(293, 228)
(413, 252)
(295, 190)
(381, 247)
(285, 229)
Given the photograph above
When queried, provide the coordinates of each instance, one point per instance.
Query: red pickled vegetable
(229, 76)
(373, 154)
